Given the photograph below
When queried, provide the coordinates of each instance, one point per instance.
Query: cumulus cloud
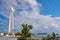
(28, 11)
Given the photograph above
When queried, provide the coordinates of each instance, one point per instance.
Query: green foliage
(51, 37)
(44, 38)
(17, 34)
(25, 32)
(21, 38)
(54, 36)
(47, 38)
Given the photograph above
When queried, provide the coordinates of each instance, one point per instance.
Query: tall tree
(26, 31)
(54, 36)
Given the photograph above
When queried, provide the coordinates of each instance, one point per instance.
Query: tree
(26, 31)
(51, 37)
(54, 36)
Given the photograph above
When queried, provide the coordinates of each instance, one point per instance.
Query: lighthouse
(11, 22)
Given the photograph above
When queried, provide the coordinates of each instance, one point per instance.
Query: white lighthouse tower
(11, 22)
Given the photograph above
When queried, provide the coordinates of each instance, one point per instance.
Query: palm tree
(51, 37)
(54, 36)
(26, 31)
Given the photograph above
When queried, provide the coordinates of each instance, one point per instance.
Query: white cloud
(27, 11)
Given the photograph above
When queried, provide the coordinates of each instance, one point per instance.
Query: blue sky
(50, 7)
(44, 15)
